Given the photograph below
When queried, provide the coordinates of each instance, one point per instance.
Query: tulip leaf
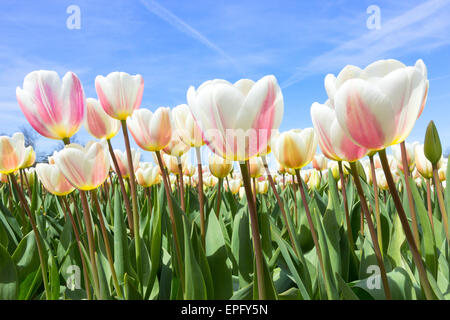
(217, 256)
(9, 280)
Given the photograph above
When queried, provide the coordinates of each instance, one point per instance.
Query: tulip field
(343, 210)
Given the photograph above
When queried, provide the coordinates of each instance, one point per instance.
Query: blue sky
(175, 44)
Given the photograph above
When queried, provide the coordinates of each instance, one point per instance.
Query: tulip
(148, 175)
(333, 141)
(256, 167)
(53, 180)
(189, 170)
(320, 162)
(122, 161)
(314, 180)
(234, 185)
(262, 186)
(12, 153)
(29, 159)
(151, 131)
(172, 163)
(377, 107)
(85, 168)
(185, 124)
(176, 146)
(423, 165)
(381, 179)
(396, 151)
(219, 166)
(54, 108)
(120, 93)
(295, 148)
(98, 123)
(237, 119)
(241, 193)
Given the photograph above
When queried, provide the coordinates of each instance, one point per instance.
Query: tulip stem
(172, 218)
(149, 200)
(201, 195)
(132, 180)
(280, 205)
(255, 230)
(79, 244)
(126, 200)
(36, 234)
(90, 235)
(406, 173)
(404, 221)
(219, 191)
(373, 235)
(294, 187)
(180, 168)
(429, 209)
(437, 186)
(377, 204)
(313, 231)
(106, 241)
(344, 199)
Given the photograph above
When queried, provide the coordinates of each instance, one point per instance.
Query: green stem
(126, 200)
(137, 236)
(377, 204)
(201, 196)
(373, 235)
(404, 221)
(79, 244)
(106, 241)
(344, 199)
(36, 234)
(415, 226)
(90, 234)
(437, 186)
(255, 230)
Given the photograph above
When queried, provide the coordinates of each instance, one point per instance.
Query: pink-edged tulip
(98, 123)
(122, 161)
(54, 108)
(377, 107)
(53, 179)
(320, 162)
(120, 93)
(295, 148)
(86, 168)
(151, 131)
(29, 159)
(189, 170)
(333, 141)
(12, 153)
(185, 124)
(237, 119)
(219, 167)
(147, 174)
(176, 146)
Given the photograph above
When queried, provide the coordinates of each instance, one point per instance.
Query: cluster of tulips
(235, 228)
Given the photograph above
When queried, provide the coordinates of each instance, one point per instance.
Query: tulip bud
(432, 145)
(219, 166)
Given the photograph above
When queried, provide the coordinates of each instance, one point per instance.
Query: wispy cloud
(176, 22)
(423, 27)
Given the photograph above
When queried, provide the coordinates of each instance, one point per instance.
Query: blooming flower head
(55, 108)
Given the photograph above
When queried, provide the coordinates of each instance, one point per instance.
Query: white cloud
(422, 28)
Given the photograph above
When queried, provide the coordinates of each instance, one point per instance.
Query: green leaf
(241, 247)
(217, 256)
(195, 288)
(9, 284)
(121, 256)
